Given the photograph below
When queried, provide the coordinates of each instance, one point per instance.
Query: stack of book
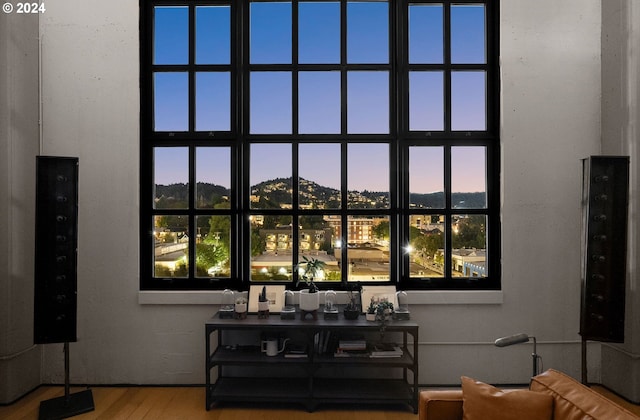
(352, 347)
(385, 350)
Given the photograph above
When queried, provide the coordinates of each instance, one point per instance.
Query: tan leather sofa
(571, 401)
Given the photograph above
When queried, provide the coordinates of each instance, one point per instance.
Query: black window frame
(399, 139)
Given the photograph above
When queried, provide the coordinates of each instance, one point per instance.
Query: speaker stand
(70, 404)
(585, 376)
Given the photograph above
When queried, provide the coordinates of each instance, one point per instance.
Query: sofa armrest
(440, 405)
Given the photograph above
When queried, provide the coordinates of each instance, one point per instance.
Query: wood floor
(176, 403)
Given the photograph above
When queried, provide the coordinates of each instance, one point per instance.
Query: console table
(237, 370)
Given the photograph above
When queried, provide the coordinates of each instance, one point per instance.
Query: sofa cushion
(482, 401)
(574, 401)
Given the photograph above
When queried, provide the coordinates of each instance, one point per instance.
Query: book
(386, 350)
(296, 350)
(351, 353)
(356, 344)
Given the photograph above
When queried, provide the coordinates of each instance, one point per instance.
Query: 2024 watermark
(24, 8)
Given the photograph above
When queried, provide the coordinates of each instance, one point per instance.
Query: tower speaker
(56, 244)
(605, 201)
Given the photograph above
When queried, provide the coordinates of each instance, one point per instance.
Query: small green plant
(311, 267)
(373, 305)
(383, 312)
(263, 295)
(383, 308)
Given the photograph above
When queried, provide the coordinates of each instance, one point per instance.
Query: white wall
(19, 358)
(551, 120)
(621, 136)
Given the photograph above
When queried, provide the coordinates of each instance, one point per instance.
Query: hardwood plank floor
(177, 403)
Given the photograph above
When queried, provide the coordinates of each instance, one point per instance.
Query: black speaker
(605, 201)
(56, 245)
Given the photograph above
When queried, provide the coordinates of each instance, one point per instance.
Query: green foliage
(311, 267)
(471, 233)
(381, 230)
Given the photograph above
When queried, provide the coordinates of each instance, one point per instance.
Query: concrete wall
(19, 358)
(551, 119)
(621, 136)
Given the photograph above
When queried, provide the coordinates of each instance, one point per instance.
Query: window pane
(171, 246)
(426, 101)
(368, 252)
(315, 238)
(319, 102)
(213, 35)
(270, 176)
(367, 32)
(426, 177)
(319, 170)
(171, 35)
(271, 248)
(213, 242)
(270, 33)
(468, 34)
(468, 178)
(213, 101)
(368, 175)
(469, 242)
(319, 33)
(426, 41)
(171, 102)
(468, 101)
(171, 177)
(213, 177)
(368, 102)
(426, 245)
(270, 103)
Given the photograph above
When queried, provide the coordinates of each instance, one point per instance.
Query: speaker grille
(56, 244)
(604, 249)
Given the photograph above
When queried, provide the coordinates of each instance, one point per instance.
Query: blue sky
(319, 91)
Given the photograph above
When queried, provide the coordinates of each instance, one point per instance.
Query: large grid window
(361, 133)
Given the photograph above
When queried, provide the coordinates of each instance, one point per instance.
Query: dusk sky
(319, 92)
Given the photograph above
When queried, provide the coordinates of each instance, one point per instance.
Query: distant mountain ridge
(278, 191)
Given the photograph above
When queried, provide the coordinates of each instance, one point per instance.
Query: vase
(309, 301)
(240, 310)
(371, 317)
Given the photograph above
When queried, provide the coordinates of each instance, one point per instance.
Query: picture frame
(377, 293)
(275, 296)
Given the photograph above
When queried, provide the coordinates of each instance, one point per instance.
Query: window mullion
(448, 248)
(447, 66)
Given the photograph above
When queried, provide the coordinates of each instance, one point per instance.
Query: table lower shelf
(321, 390)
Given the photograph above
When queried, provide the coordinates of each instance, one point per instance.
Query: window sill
(416, 297)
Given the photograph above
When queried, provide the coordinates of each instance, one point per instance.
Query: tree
(381, 230)
(214, 250)
(470, 233)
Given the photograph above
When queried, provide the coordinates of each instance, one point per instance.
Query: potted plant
(241, 308)
(384, 312)
(309, 298)
(371, 310)
(263, 304)
(352, 309)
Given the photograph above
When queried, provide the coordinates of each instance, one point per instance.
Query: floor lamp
(517, 339)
